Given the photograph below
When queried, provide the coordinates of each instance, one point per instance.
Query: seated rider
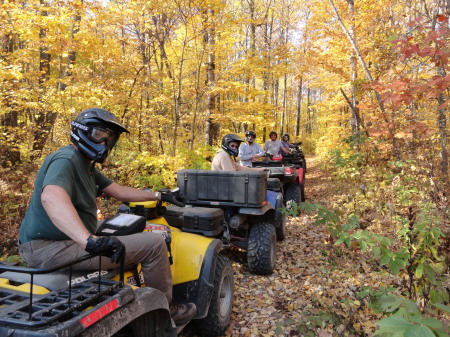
(285, 142)
(249, 152)
(274, 146)
(61, 220)
(222, 161)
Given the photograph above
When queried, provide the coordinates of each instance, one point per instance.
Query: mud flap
(300, 175)
(279, 205)
(276, 200)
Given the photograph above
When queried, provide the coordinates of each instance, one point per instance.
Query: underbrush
(144, 170)
(16, 186)
(397, 212)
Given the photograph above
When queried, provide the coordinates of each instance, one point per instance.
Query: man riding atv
(285, 142)
(273, 146)
(230, 148)
(61, 220)
(250, 151)
(232, 203)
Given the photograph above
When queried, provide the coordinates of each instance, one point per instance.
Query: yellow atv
(63, 302)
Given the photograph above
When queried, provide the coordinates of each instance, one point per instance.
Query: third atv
(290, 170)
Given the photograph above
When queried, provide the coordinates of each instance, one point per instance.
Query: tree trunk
(45, 119)
(285, 91)
(251, 79)
(308, 112)
(442, 123)
(66, 72)
(9, 148)
(276, 88)
(284, 110)
(268, 29)
(160, 22)
(196, 106)
(177, 98)
(357, 52)
(299, 108)
(353, 71)
(211, 129)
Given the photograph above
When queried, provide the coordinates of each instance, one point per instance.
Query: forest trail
(296, 299)
(317, 181)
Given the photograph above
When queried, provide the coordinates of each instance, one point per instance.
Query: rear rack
(22, 309)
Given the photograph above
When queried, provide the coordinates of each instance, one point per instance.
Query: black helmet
(95, 131)
(285, 135)
(273, 133)
(250, 136)
(227, 139)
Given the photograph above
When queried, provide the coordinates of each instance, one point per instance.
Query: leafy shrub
(144, 170)
(414, 257)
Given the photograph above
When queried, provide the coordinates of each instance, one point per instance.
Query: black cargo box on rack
(199, 220)
(223, 188)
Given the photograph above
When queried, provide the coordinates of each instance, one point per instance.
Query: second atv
(235, 207)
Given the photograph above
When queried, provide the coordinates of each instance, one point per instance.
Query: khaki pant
(149, 249)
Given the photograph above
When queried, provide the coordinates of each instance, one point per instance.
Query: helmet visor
(99, 134)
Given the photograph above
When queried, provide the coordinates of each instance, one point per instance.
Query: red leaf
(442, 17)
(401, 135)
(442, 106)
(377, 132)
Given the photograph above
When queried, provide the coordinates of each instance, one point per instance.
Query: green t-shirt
(68, 169)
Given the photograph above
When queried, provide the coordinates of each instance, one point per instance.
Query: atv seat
(274, 184)
(59, 279)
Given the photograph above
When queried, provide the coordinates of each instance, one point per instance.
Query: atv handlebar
(173, 196)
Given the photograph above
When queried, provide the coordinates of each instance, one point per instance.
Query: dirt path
(317, 181)
(265, 305)
(282, 303)
(279, 304)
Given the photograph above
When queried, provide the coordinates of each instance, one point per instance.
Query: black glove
(173, 197)
(110, 245)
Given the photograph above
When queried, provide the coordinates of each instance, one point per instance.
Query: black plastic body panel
(199, 220)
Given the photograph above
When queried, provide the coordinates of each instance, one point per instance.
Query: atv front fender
(278, 206)
(194, 261)
(200, 289)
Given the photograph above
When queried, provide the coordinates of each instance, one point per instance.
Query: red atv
(287, 172)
